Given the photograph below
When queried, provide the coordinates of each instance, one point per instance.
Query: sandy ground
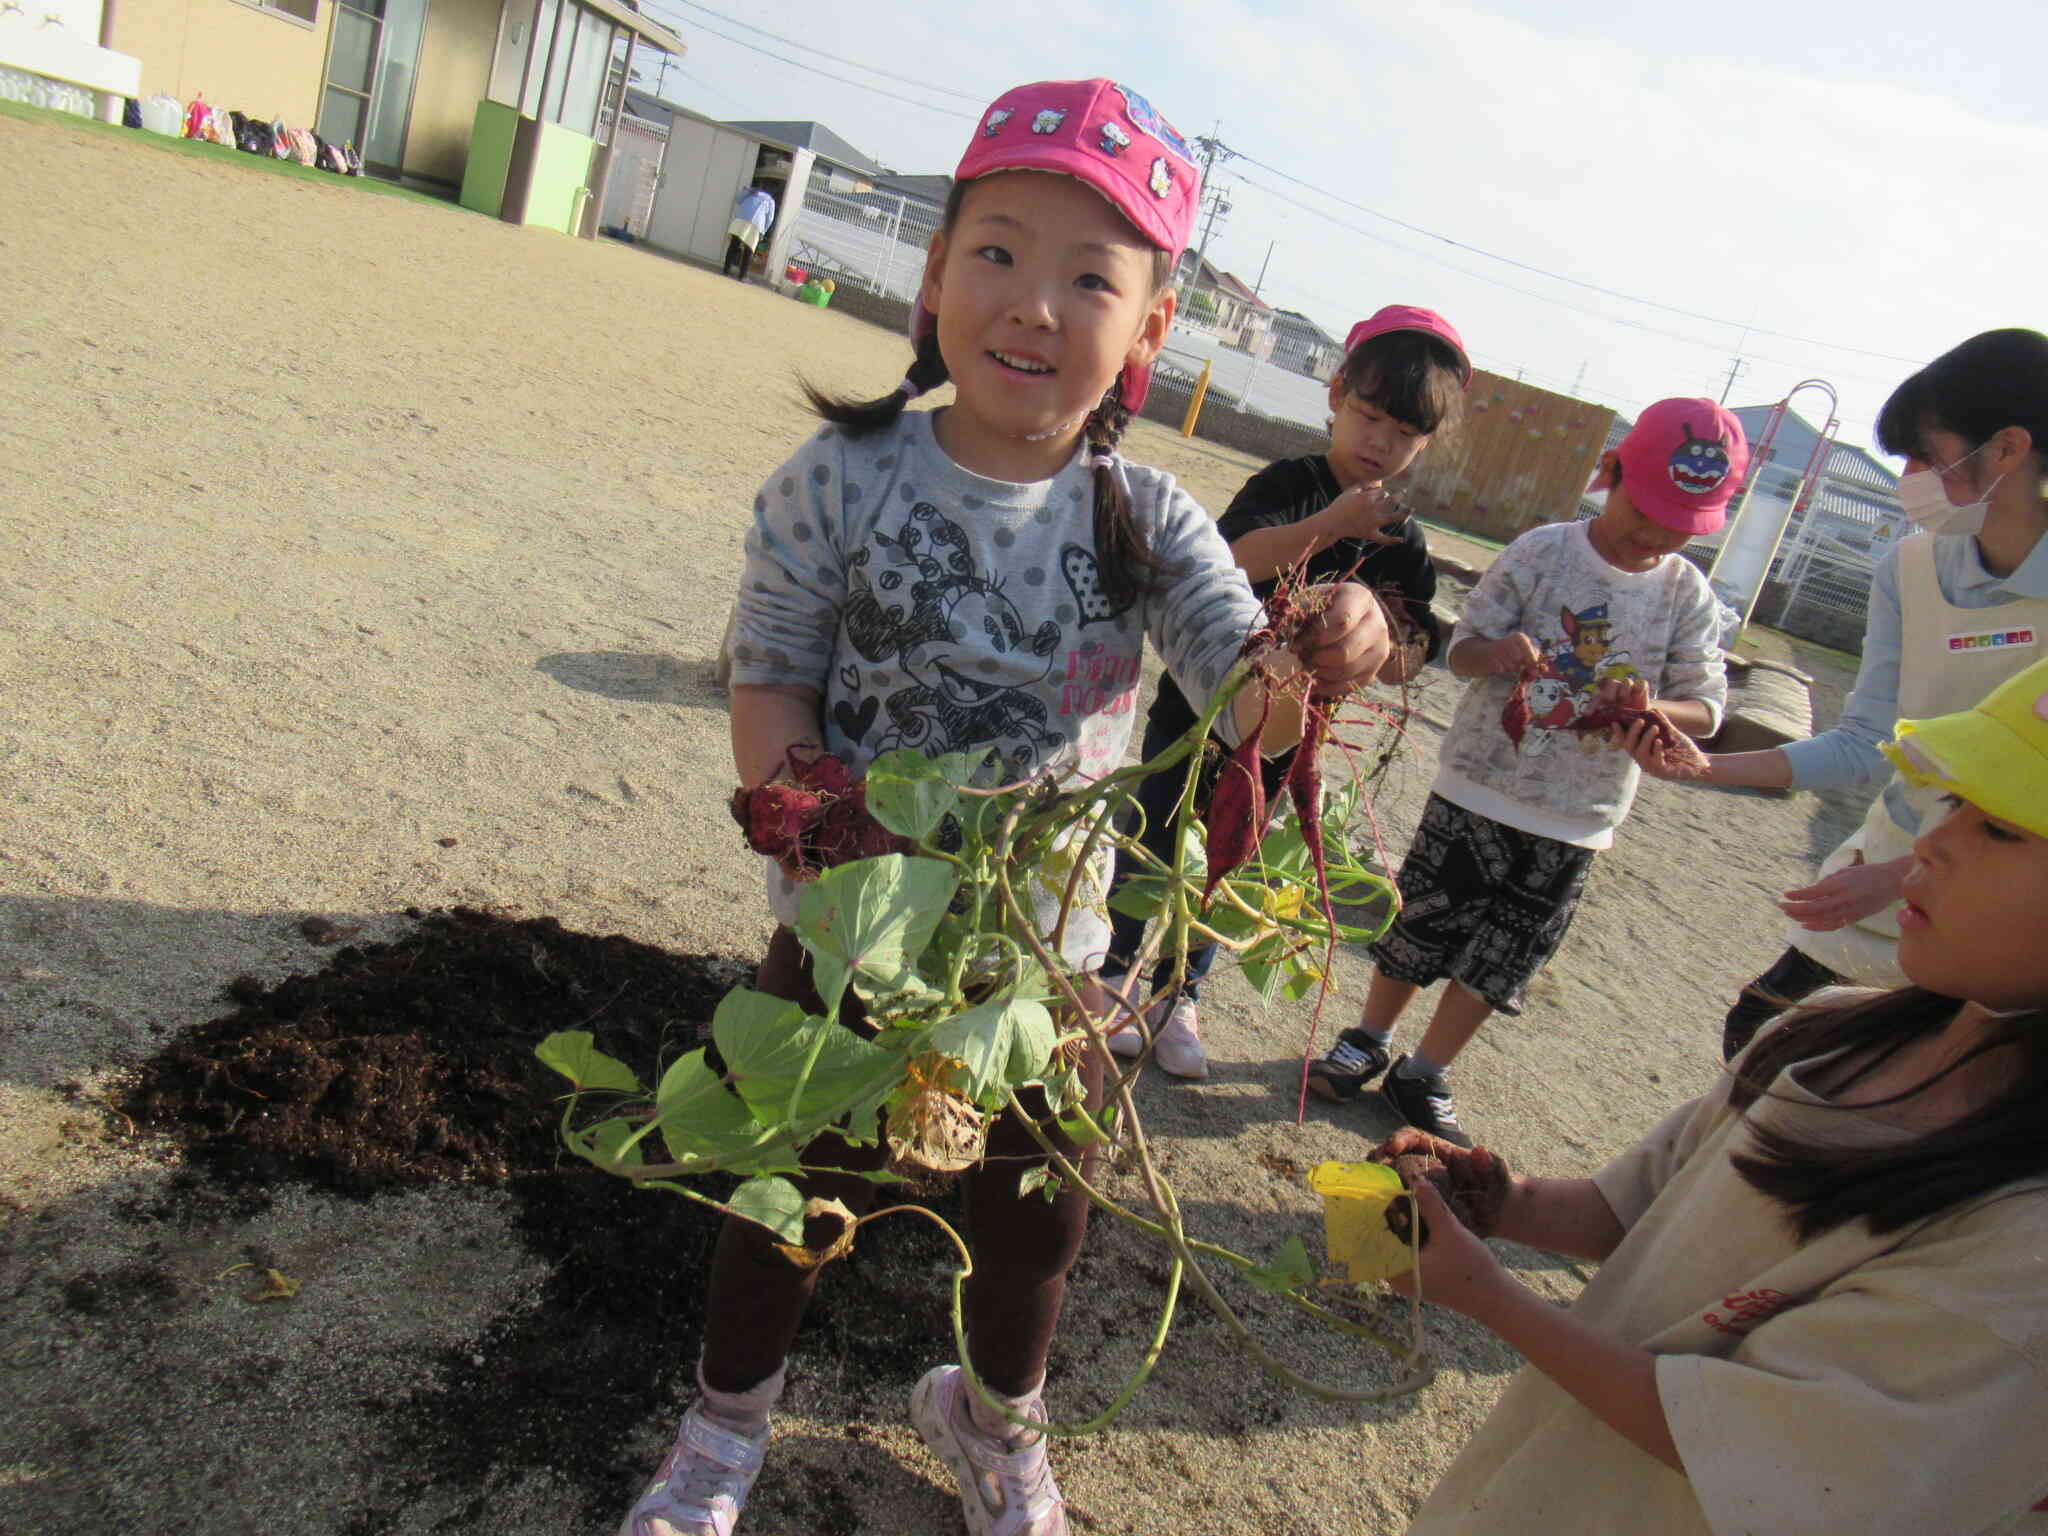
(336, 526)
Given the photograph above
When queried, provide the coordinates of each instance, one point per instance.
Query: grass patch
(1458, 533)
(198, 149)
(1776, 645)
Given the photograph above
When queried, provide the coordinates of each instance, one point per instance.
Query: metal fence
(873, 240)
(1817, 589)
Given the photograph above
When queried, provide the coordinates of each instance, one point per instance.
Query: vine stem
(1418, 1370)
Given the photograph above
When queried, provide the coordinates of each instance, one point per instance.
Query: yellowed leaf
(840, 1246)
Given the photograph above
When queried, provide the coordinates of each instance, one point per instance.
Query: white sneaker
(702, 1487)
(1177, 1047)
(1003, 1492)
(1127, 1040)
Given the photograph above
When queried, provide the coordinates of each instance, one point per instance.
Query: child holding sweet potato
(1819, 1305)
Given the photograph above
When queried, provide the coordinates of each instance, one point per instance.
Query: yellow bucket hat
(1995, 756)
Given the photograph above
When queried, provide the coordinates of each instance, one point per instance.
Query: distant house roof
(1293, 320)
(931, 189)
(1234, 286)
(649, 108)
(817, 138)
(1854, 465)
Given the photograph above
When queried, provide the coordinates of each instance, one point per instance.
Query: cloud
(1806, 195)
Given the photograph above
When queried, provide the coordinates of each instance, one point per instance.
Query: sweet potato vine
(972, 1004)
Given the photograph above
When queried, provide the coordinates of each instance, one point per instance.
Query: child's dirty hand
(1663, 754)
(1370, 512)
(1457, 1267)
(1348, 642)
(1515, 653)
(1622, 693)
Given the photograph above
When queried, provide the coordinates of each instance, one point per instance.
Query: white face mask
(1925, 502)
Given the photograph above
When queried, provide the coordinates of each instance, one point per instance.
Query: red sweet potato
(1514, 715)
(1605, 717)
(815, 821)
(776, 816)
(1236, 814)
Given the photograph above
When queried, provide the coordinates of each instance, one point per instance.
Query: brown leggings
(1023, 1246)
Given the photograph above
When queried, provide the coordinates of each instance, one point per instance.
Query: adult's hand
(1847, 896)
(1671, 755)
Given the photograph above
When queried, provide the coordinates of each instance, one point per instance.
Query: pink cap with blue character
(1682, 463)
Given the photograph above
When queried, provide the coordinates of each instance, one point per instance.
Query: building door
(372, 59)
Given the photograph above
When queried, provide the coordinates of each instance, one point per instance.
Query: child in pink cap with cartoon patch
(980, 578)
(1569, 618)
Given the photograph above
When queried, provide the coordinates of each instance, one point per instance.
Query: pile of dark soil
(411, 1062)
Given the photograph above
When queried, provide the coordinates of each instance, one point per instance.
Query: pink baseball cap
(1107, 136)
(1406, 317)
(1682, 463)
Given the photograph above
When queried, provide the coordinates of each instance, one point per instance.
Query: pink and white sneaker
(1003, 1491)
(702, 1487)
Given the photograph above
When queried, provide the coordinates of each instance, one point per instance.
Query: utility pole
(661, 81)
(1262, 268)
(1212, 148)
(1580, 380)
(1735, 366)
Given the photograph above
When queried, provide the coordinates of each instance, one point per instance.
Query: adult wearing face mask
(1955, 609)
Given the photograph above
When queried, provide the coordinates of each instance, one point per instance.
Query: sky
(1616, 201)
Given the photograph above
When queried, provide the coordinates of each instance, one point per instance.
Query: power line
(1546, 298)
(740, 42)
(1613, 293)
(734, 21)
(1223, 151)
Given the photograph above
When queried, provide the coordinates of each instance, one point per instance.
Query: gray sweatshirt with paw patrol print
(934, 609)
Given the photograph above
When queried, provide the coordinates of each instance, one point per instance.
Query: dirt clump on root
(412, 1062)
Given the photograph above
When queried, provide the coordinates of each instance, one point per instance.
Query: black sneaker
(1354, 1061)
(1425, 1103)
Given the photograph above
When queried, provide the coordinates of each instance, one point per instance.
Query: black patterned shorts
(1485, 904)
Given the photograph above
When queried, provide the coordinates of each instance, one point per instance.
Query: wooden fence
(1519, 459)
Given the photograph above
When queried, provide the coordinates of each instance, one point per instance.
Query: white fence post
(889, 250)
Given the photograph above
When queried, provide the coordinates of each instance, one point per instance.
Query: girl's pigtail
(858, 418)
(1125, 563)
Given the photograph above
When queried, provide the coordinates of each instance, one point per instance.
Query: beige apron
(1949, 658)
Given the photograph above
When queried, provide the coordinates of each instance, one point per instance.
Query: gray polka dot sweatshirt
(934, 609)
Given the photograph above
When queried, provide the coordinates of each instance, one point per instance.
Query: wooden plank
(1519, 459)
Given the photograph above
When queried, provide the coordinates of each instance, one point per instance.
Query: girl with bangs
(1333, 516)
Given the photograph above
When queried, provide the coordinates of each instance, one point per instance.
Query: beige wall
(249, 60)
(454, 75)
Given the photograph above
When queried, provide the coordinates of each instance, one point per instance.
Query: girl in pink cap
(1330, 514)
(979, 578)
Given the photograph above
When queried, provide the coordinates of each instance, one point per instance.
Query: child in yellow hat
(1819, 1305)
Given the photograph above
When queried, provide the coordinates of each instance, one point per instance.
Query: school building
(509, 105)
